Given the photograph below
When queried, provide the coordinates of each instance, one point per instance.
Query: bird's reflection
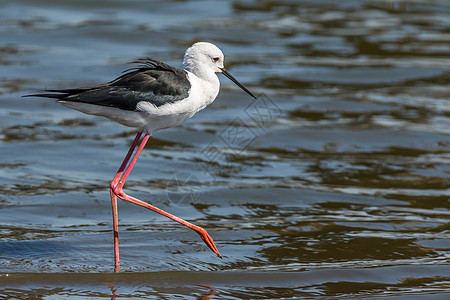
(113, 291)
(206, 296)
(212, 292)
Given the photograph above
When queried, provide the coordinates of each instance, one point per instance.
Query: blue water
(334, 184)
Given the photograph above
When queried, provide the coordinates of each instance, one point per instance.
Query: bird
(150, 97)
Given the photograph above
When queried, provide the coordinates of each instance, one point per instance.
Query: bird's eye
(215, 59)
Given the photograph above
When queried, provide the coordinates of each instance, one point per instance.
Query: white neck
(205, 74)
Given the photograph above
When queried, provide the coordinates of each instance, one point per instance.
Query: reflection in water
(212, 292)
(205, 293)
(113, 291)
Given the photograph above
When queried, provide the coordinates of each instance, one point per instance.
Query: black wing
(152, 81)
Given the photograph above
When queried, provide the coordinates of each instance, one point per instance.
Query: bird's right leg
(112, 186)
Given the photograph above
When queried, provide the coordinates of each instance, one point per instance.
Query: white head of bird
(203, 59)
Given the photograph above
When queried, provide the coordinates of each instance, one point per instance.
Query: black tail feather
(61, 93)
(45, 95)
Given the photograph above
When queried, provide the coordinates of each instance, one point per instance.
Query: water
(334, 184)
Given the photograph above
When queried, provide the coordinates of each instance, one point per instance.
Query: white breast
(201, 94)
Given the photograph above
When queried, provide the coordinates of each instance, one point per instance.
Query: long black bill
(226, 73)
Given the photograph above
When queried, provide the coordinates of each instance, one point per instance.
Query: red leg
(114, 201)
(117, 190)
(127, 158)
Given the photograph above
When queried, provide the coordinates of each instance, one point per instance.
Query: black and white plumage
(153, 95)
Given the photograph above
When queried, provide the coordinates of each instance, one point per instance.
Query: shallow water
(334, 184)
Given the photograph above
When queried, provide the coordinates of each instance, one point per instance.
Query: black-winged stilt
(151, 97)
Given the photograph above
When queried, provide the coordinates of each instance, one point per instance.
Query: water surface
(334, 184)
